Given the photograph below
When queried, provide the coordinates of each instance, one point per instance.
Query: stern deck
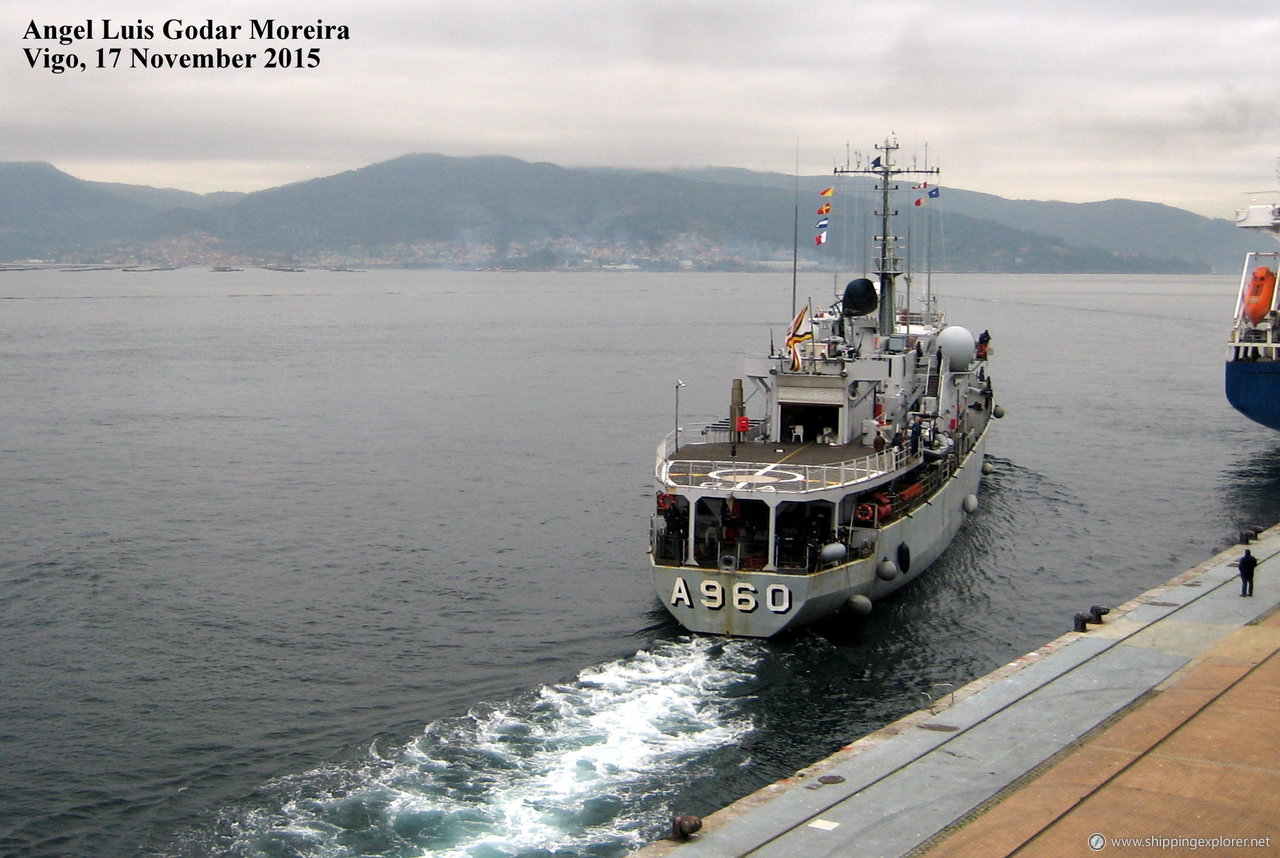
(771, 453)
(779, 466)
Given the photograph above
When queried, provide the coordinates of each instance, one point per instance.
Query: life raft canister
(1257, 300)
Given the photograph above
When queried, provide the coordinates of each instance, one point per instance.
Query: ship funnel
(859, 298)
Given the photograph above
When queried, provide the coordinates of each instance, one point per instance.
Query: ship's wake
(587, 767)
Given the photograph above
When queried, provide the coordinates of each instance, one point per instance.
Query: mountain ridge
(432, 209)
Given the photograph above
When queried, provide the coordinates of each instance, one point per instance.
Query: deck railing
(771, 476)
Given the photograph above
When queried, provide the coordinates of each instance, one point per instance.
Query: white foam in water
(581, 764)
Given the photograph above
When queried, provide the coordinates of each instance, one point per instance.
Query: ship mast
(888, 262)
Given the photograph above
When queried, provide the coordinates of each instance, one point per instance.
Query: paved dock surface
(1156, 732)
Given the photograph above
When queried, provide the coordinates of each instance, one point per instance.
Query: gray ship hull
(858, 463)
(750, 603)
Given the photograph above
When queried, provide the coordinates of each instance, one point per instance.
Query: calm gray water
(333, 564)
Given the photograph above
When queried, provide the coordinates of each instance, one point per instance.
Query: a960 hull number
(742, 596)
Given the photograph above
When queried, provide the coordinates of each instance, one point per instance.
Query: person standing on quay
(1247, 564)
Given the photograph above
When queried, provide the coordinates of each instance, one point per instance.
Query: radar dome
(958, 347)
(859, 298)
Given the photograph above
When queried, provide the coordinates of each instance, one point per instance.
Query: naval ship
(1253, 356)
(863, 461)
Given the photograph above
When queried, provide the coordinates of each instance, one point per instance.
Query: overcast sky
(1172, 101)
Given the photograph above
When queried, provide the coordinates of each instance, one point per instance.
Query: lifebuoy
(664, 501)
(865, 512)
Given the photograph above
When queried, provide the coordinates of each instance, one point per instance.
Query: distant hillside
(43, 210)
(168, 198)
(1120, 226)
(499, 202)
(1124, 227)
(432, 209)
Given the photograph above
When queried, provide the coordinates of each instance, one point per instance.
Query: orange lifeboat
(1257, 300)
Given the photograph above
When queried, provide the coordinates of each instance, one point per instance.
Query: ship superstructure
(862, 462)
(1253, 358)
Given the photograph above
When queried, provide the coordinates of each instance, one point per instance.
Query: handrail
(775, 476)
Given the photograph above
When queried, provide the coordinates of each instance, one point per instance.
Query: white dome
(958, 347)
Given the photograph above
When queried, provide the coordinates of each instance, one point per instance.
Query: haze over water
(333, 564)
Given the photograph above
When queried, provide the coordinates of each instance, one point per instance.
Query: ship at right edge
(1253, 360)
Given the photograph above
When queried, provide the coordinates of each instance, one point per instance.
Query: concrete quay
(1154, 733)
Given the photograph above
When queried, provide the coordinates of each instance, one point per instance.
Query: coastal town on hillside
(680, 253)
